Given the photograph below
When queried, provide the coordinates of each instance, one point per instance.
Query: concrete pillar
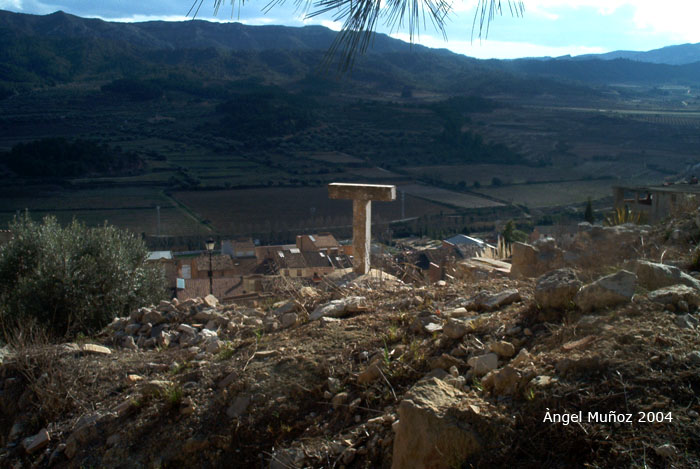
(362, 196)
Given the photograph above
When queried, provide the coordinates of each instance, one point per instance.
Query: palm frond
(360, 19)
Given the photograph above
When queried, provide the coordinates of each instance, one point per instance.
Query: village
(243, 270)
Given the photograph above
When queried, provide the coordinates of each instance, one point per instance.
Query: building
(238, 248)
(324, 242)
(467, 246)
(655, 203)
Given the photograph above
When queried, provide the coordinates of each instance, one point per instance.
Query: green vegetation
(72, 279)
(136, 90)
(60, 158)
(512, 234)
(265, 113)
(588, 214)
(624, 215)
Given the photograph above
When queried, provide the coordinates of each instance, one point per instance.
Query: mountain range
(61, 47)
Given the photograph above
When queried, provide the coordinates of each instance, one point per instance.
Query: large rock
(653, 276)
(557, 289)
(612, 290)
(457, 328)
(533, 260)
(676, 294)
(482, 364)
(523, 260)
(429, 434)
(339, 308)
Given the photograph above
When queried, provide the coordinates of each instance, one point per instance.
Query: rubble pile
(382, 374)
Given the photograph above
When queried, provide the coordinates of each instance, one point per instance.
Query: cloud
(11, 4)
(501, 49)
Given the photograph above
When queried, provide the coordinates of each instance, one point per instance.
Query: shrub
(73, 279)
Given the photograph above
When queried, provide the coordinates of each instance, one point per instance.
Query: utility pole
(210, 248)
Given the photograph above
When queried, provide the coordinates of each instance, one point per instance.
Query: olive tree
(74, 278)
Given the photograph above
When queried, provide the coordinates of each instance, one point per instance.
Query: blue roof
(464, 239)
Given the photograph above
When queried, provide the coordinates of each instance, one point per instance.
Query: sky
(548, 27)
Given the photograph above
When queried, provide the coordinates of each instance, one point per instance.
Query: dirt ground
(299, 395)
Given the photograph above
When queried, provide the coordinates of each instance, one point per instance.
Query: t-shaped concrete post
(362, 196)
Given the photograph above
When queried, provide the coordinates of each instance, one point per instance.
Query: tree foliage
(59, 158)
(75, 278)
(512, 234)
(588, 214)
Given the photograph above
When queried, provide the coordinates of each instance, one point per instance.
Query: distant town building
(238, 248)
(324, 242)
(655, 202)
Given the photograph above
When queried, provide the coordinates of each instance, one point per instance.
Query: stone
(128, 343)
(579, 344)
(156, 387)
(132, 329)
(348, 456)
(533, 260)
(674, 295)
(94, 349)
(185, 329)
(371, 373)
(653, 276)
(557, 289)
(211, 301)
(456, 328)
(334, 385)
(213, 346)
(228, 380)
(308, 292)
(693, 357)
(507, 381)
(543, 381)
(444, 362)
(611, 290)
(486, 301)
(339, 308)
(340, 399)
(284, 307)
(165, 306)
(502, 348)
(687, 321)
(362, 196)
(427, 435)
(288, 320)
(667, 451)
(523, 359)
(35, 443)
(482, 364)
(239, 406)
(153, 317)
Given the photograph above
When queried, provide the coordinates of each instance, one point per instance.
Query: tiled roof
(218, 262)
(324, 240)
(316, 259)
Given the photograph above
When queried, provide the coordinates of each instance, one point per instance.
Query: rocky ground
(584, 364)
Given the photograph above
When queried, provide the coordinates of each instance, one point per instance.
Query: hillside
(593, 363)
(61, 48)
(681, 54)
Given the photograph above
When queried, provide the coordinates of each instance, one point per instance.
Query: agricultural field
(133, 208)
(484, 174)
(557, 193)
(450, 198)
(303, 208)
